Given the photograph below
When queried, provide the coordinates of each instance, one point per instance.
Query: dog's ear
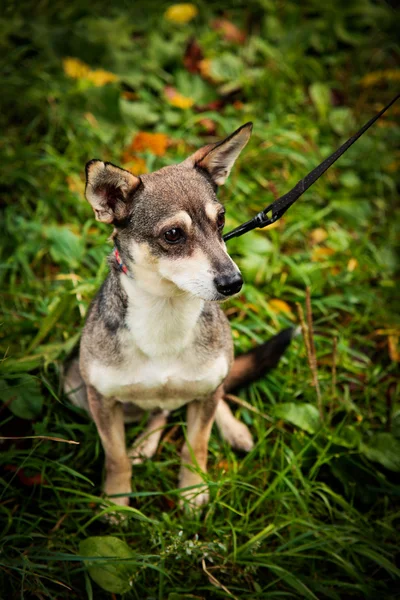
(110, 190)
(218, 159)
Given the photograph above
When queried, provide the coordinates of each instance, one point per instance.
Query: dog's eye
(173, 236)
(221, 220)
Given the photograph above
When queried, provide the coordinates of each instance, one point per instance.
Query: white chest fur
(160, 367)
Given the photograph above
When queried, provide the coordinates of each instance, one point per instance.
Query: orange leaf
(155, 142)
(135, 164)
(230, 32)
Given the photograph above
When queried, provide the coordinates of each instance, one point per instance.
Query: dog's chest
(160, 366)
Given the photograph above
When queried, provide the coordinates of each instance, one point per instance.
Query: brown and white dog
(155, 337)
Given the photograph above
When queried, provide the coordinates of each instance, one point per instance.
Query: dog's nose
(227, 286)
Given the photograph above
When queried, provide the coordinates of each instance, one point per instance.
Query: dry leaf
(318, 235)
(156, 143)
(77, 69)
(280, 306)
(193, 57)
(375, 77)
(320, 254)
(394, 351)
(352, 264)
(134, 164)
(230, 32)
(177, 99)
(181, 13)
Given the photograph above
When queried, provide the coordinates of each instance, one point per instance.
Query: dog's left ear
(218, 159)
(110, 190)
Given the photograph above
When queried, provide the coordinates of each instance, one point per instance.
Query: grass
(313, 511)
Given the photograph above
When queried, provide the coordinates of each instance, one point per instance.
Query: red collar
(121, 265)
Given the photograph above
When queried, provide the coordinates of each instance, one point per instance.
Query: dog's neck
(160, 317)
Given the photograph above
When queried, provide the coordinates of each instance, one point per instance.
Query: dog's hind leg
(146, 443)
(233, 431)
(108, 414)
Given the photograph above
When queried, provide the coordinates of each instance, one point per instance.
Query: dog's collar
(120, 262)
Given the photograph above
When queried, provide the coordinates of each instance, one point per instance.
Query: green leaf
(321, 98)
(65, 246)
(383, 448)
(138, 114)
(111, 574)
(24, 396)
(301, 414)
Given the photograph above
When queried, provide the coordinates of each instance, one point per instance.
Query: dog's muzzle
(229, 285)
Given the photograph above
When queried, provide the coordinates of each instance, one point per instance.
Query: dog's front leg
(108, 415)
(200, 418)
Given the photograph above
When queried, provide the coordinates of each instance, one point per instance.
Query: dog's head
(168, 224)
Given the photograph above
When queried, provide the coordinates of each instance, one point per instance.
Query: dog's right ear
(110, 190)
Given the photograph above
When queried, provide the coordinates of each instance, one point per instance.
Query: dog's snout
(229, 285)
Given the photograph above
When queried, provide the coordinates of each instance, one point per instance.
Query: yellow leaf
(180, 101)
(378, 76)
(352, 264)
(318, 235)
(100, 77)
(394, 351)
(77, 69)
(320, 254)
(280, 306)
(181, 13)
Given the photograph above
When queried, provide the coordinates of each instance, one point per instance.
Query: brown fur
(156, 338)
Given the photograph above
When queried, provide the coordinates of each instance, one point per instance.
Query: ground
(313, 510)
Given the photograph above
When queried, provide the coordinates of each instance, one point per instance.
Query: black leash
(280, 206)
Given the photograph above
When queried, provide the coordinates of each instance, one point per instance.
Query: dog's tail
(251, 366)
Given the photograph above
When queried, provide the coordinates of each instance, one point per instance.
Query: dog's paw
(237, 435)
(194, 500)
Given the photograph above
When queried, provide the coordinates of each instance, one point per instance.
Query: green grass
(313, 511)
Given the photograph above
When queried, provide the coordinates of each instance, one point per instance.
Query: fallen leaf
(205, 68)
(134, 164)
(91, 119)
(155, 142)
(375, 77)
(352, 264)
(320, 254)
(28, 480)
(77, 69)
(209, 125)
(176, 99)
(181, 13)
(230, 32)
(318, 235)
(280, 306)
(394, 351)
(193, 56)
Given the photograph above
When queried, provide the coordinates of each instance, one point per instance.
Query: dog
(155, 337)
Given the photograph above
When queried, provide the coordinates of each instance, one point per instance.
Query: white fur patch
(160, 368)
(166, 382)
